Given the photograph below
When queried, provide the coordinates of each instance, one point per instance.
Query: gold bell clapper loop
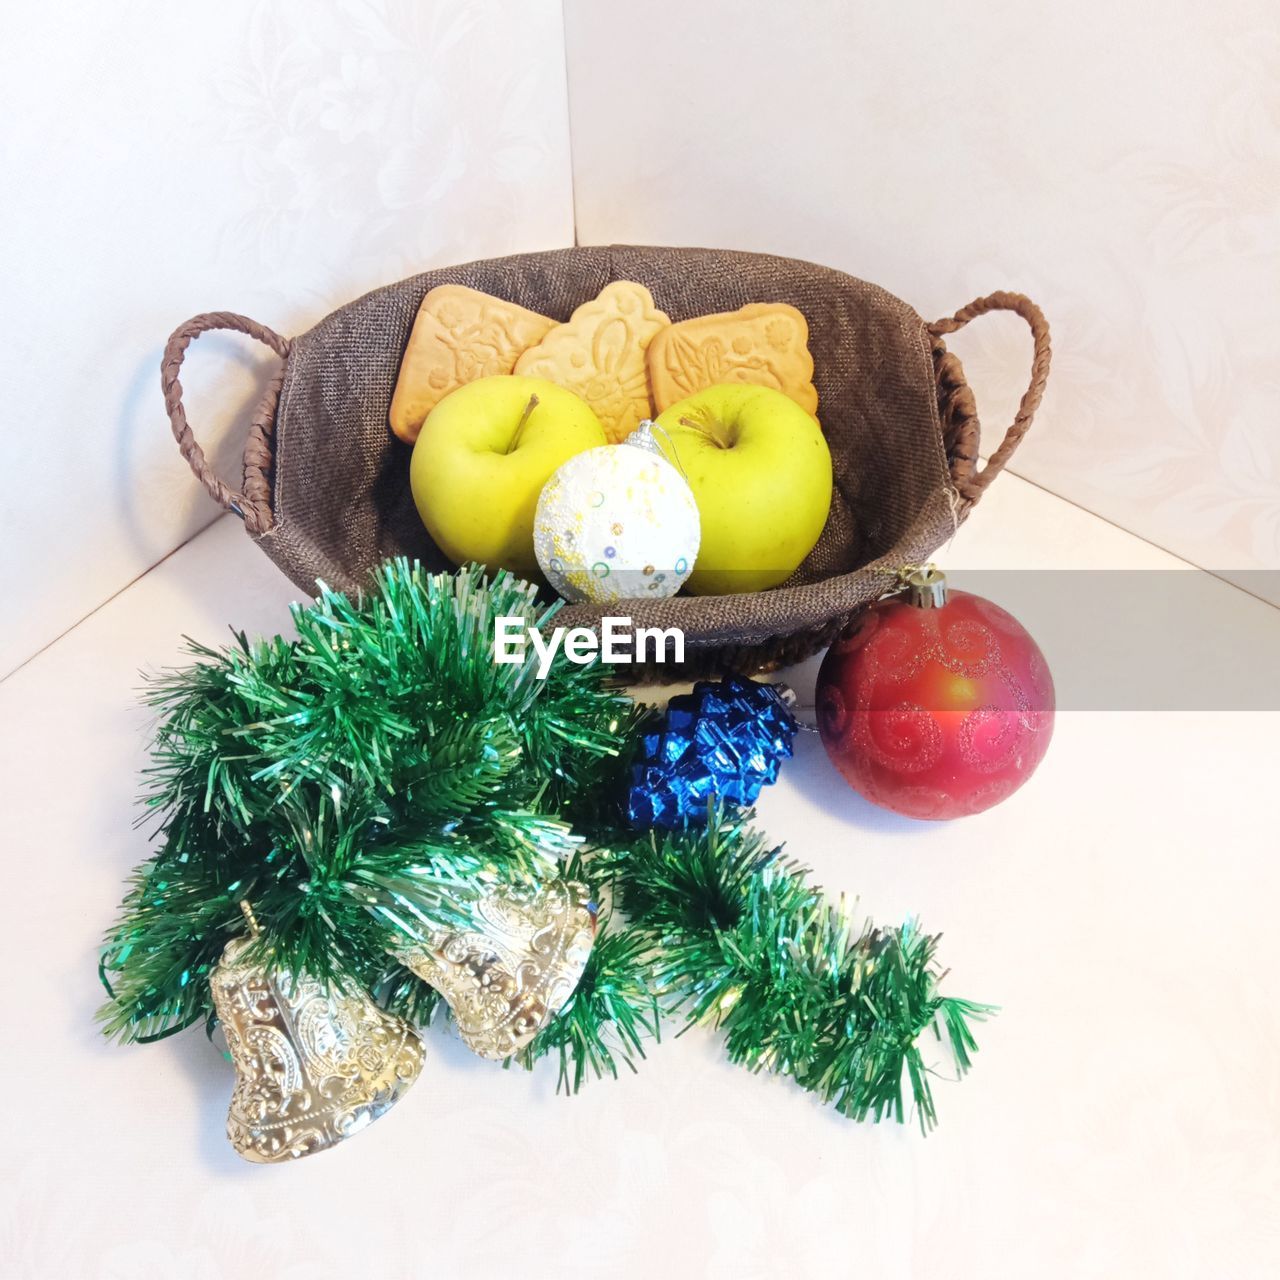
(513, 969)
(314, 1063)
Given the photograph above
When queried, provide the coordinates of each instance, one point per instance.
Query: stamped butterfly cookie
(459, 335)
(600, 354)
(765, 343)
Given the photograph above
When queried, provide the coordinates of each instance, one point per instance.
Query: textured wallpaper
(272, 158)
(1119, 163)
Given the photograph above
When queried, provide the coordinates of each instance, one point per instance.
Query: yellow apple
(761, 473)
(481, 459)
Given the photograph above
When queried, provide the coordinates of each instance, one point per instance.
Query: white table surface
(1122, 1118)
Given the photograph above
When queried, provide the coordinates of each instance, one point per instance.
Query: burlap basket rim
(755, 617)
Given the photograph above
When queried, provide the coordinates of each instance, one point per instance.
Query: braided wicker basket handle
(253, 504)
(972, 485)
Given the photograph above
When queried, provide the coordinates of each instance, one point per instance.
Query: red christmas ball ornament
(937, 704)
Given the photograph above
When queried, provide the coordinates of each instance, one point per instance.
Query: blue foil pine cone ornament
(725, 739)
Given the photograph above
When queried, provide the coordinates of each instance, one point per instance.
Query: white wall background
(273, 158)
(1118, 162)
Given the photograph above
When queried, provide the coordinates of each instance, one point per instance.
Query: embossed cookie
(600, 354)
(764, 343)
(459, 335)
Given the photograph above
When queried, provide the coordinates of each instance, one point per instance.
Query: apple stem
(524, 418)
(703, 430)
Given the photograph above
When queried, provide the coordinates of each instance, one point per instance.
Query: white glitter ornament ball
(617, 523)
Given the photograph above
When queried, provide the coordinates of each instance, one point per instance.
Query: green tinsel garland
(740, 939)
(369, 777)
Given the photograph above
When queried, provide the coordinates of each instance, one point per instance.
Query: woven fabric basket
(326, 485)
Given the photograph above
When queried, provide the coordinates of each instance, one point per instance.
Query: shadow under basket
(326, 485)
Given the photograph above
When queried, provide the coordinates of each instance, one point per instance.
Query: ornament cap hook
(642, 437)
(645, 436)
(925, 584)
(249, 918)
